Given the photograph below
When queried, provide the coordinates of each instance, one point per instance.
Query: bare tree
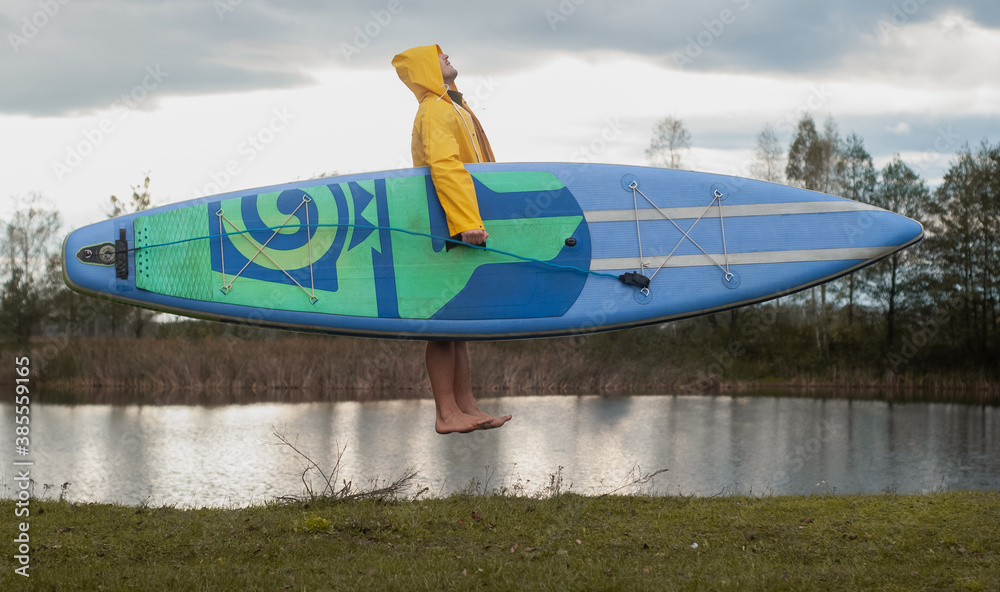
(964, 239)
(894, 282)
(670, 144)
(858, 181)
(814, 160)
(27, 243)
(139, 201)
(814, 163)
(769, 157)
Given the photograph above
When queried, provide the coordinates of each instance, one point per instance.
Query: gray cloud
(89, 53)
(924, 133)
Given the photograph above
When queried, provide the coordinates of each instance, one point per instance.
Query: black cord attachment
(634, 279)
(121, 256)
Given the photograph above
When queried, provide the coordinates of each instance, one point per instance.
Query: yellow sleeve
(453, 183)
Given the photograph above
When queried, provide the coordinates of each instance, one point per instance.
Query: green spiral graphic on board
(294, 246)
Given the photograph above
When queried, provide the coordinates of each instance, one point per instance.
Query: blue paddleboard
(573, 248)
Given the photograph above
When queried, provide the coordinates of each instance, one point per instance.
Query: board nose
(894, 232)
(906, 231)
(88, 260)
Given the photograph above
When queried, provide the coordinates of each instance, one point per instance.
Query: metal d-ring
(643, 295)
(729, 276)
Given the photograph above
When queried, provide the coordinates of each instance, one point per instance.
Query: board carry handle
(121, 256)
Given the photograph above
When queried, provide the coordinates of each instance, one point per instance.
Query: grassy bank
(948, 541)
(286, 366)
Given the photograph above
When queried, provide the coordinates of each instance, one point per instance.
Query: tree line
(34, 299)
(932, 306)
(929, 308)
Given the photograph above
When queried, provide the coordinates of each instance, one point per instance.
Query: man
(445, 136)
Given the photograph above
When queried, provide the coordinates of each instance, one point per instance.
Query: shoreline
(292, 367)
(67, 394)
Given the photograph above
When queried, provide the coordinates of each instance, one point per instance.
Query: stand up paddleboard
(573, 248)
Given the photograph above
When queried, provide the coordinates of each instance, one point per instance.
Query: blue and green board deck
(366, 254)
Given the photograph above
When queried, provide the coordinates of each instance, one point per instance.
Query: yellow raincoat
(445, 136)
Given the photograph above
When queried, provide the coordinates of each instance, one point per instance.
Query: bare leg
(463, 388)
(440, 358)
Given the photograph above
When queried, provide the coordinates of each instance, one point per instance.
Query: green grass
(947, 541)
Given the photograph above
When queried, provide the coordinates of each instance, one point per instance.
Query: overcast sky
(218, 95)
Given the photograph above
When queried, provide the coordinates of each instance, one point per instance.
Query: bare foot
(476, 236)
(494, 420)
(461, 424)
(497, 421)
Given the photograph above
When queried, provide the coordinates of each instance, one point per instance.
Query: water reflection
(225, 455)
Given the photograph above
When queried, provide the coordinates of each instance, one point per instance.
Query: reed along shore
(276, 365)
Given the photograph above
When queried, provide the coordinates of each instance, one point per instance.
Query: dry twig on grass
(329, 489)
(633, 478)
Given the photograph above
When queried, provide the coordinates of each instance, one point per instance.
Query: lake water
(226, 455)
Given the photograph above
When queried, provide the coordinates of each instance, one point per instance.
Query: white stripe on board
(805, 255)
(733, 211)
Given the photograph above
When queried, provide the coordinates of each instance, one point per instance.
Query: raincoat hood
(420, 71)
